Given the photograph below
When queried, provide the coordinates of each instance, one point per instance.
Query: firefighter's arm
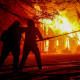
(39, 34)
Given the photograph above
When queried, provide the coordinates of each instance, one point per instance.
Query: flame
(79, 42)
(60, 22)
(59, 25)
(64, 22)
(37, 10)
(68, 43)
(46, 45)
(37, 7)
(57, 43)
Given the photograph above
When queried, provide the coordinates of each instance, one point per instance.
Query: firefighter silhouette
(30, 44)
(11, 42)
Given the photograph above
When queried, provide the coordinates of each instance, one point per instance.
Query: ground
(55, 67)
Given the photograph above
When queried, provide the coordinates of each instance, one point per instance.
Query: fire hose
(58, 36)
(55, 36)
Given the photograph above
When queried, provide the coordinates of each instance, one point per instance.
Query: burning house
(52, 17)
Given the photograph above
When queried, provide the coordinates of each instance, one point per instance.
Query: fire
(79, 42)
(46, 45)
(60, 24)
(57, 43)
(67, 44)
(37, 7)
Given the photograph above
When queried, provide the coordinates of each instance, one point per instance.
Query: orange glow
(65, 22)
(67, 45)
(57, 43)
(62, 25)
(46, 45)
(37, 7)
(60, 22)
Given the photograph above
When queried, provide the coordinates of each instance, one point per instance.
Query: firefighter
(30, 44)
(11, 42)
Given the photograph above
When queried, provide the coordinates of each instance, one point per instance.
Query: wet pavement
(52, 72)
(55, 71)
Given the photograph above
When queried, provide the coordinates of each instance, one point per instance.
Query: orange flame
(61, 24)
(57, 43)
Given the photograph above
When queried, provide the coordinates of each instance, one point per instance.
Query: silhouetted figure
(30, 44)
(11, 42)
